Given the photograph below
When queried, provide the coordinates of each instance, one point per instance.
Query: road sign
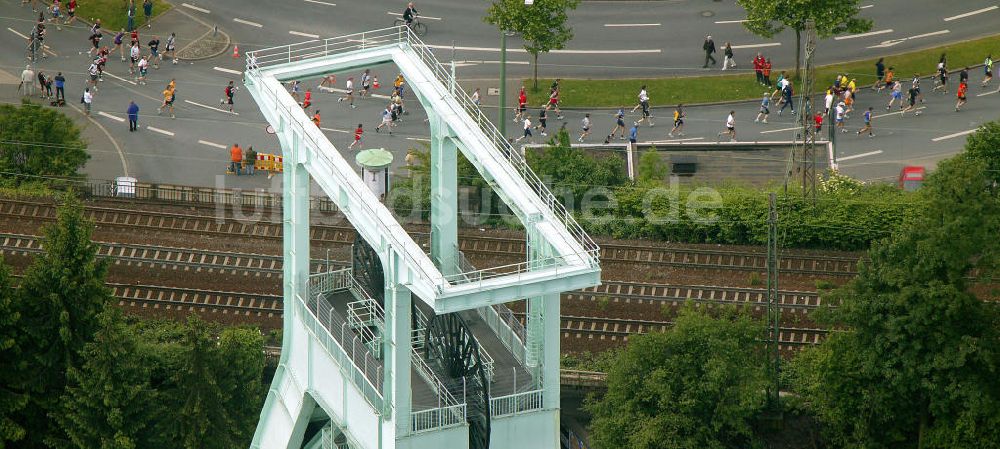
(269, 129)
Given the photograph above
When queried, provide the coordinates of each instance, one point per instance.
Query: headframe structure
(365, 366)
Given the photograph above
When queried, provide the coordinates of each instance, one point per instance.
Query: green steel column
(444, 197)
(296, 224)
(535, 326)
(397, 345)
(501, 115)
(551, 321)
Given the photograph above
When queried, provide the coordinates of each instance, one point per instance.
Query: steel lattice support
(808, 131)
(773, 309)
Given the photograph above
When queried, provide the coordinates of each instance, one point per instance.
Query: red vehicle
(911, 177)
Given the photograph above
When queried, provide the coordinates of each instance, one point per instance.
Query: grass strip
(612, 93)
(114, 13)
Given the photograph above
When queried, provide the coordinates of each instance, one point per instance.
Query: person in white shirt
(88, 100)
(585, 127)
(386, 120)
(475, 97)
(28, 81)
(730, 127)
(828, 101)
(839, 116)
(349, 96)
(527, 128)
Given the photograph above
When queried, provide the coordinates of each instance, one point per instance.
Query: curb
(210, 29)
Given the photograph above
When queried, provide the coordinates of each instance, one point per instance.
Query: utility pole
(501, 115)
(808, 131)
(773, 309)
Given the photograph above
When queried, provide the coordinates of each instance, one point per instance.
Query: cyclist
(409, 14)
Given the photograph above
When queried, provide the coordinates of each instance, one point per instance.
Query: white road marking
(629, 25)
(952, 136)
(112, 117)
(892, 42)
(571, 52)
(212, 144)
(675, 140)
(190, 6)
(321, 3)
(119, 78)
(419, 16)
(469, 62)
(856, 156)
(730, 21)
(866, 6)
(418, 139)
(225, 70)
(988, 93)
(769, 44)
(899, 112)
(161, 131)
(971, 13)
(337, 130)
(870, 33)
(780, 130)
(211, 107)
(247, 22)
(299, 33)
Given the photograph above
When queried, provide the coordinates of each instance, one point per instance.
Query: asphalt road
(191, 148)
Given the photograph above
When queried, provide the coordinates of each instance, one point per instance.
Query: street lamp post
(501, 116)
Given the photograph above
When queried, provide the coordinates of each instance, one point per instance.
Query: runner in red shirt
(963, 87)
(357, 136)
(522, 105)
(307, 101)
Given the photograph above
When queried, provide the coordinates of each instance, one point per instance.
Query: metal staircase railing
(503, 150)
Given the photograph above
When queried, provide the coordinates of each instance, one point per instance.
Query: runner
(828, 101)
(818, 122)
(868, 123)
(987, 70)
(839, 116)
(849, 103)
(889, 78)
(911, 100)
(228, 100)
(963, 87)
(307, 101)
(897, 94)
(778, 86)
(143, 68)
(154, 51)
(942, 78)
(619, 124)
(786, 97)
(522, 105)
(399, 84)
(633, 133)
(915, 84)
(963, 76)
(357, 136)
(168, 100)
(296, 90)
(95, 40)
(366, 83)
(730, 128)
(678, 121)
(70, 12)
(527, 129)
(879, 75)
(316, 119)
(765, 104)
(87, 100)
(349, 96)
(92, 71)
(56, 14)
(171, 47)
(386, 119)
(542, 118)
(133, 57)
(585, 127)
(328, 81)
(475, 97)
(118, 44)
(554, 101)
(644, 104)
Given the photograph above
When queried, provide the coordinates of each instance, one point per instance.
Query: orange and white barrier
(269, 162)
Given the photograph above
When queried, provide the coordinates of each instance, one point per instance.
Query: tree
(59, 301)
(651, 167)
(203, 420)
(12, 365)
(984, 145)
(698, 385)
(766, 18)
(571, 170)
(916, 362)
(107, 401)
(37, 141)
(542, 25)
(242, 349)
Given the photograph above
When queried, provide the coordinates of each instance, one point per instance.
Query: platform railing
(403, 35)
(437, 418)
(498, 317)
(513, 404)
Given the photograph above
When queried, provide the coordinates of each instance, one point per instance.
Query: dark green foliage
(983, 146)
(573, 174)
(12, 364)
(202, 419)
(108, 402)
(698, 385)
(917, 362)
(242, 354)
(37, 141)
(651, 167)
(59, 300)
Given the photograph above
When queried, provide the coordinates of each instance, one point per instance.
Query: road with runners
(192, 149)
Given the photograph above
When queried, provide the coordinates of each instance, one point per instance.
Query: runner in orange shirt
(963, 87)
(307, 101)
(316, 118)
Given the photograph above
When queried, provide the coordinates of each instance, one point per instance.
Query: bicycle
(417, 26)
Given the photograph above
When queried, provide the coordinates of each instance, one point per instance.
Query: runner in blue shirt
(765, 104)
(868, 123)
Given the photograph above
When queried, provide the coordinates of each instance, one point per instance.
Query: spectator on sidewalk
(27, 86)
(60, 81)
(131, 15)
(249, 159)
(147, 10)
(88, 100)
(235, 159)
(709, 47)
(133, 116)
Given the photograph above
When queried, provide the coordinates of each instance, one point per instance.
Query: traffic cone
(236, 51)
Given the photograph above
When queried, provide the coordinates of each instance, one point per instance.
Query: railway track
(639, 293)
(834, 266)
